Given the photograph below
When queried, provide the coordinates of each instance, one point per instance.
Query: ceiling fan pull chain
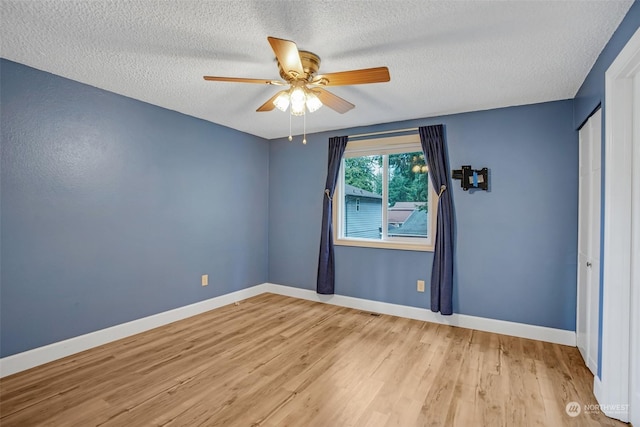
(304, 128)
(290, 137)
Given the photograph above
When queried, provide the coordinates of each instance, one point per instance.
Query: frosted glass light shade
(297, 99)
(313, 102)
(282, 101)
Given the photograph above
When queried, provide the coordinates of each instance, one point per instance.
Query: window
(383, 197)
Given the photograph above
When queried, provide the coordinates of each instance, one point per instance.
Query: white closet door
(588, 297)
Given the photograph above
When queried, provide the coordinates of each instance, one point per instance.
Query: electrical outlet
(205, 280)
(420, 286)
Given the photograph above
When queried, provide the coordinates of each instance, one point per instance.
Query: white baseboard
(41, 355)
(522, 330)
(616, 410)
(592, 365)
(48, 353)
(597, 389)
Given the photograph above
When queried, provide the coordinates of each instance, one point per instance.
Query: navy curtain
(435, 151)
(326, 262)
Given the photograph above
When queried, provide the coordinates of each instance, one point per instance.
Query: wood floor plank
(276, 361)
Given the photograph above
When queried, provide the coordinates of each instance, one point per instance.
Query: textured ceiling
(443, 56)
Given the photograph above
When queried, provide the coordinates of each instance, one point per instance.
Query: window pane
(363, 197)
(407, 214)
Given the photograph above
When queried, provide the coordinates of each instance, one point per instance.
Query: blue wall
(516, 245)
(113, 208)
(589, 97)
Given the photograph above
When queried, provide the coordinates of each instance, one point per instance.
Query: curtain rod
(382, 132)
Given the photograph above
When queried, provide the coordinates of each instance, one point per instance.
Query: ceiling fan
(298, 69)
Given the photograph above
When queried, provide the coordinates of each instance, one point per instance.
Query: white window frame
(381, 146)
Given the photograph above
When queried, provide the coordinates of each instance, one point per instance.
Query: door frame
(612, 388)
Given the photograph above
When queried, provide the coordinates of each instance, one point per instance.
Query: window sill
(403, 246)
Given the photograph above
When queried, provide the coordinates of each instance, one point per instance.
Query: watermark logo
(611, 408)
(573, 409)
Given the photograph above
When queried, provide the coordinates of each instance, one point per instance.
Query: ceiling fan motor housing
(310, 65)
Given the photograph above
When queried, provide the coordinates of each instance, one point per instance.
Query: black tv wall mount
(472, 178)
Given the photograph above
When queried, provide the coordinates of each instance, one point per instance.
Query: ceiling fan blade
(333, 101)
(269, 105)
(288, 56)
(353, 77)
(243, 80)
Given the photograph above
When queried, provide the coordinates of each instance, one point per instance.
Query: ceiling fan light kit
(299, 97)
(298, 69)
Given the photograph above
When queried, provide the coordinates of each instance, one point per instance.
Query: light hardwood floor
(278, 361)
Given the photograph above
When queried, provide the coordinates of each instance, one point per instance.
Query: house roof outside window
(350, 190)
(399, 212)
